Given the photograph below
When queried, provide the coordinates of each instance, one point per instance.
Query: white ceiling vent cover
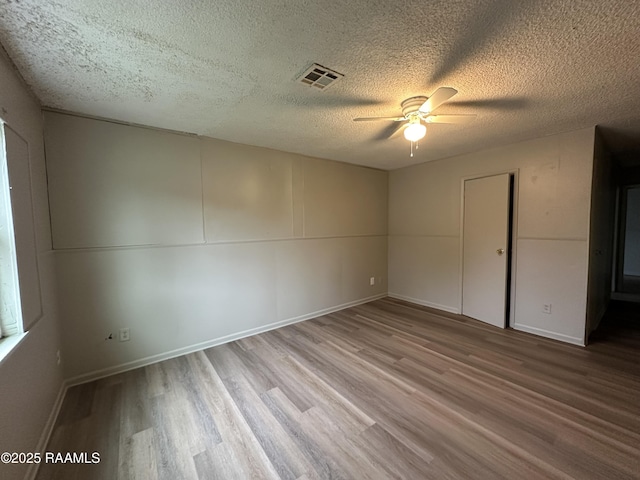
(319, 76)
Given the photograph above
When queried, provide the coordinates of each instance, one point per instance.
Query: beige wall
(552, 231)
(30, 379)
(190, 241)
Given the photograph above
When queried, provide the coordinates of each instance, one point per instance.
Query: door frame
(514, 172)
(620, 237)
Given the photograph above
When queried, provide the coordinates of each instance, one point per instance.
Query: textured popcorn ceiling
(227, 68)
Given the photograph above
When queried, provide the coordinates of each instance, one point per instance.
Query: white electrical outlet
(546, 308)
(372, 281)
(124, 335)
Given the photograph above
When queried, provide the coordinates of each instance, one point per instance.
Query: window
(10, 309)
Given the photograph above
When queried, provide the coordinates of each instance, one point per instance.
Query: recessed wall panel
(363, 258)
(309, 276)
(117, 185)
(169, 298)
(555, 188)
(248, 193)
(552, 272)
(425, 269)
(341, 200)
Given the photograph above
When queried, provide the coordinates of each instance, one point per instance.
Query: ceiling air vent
(320, 77)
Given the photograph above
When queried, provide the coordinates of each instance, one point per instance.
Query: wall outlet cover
(124, 335)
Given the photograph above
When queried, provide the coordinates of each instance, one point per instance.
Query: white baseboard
(546, 333)
(32, 471)
(424, 303)
(124, 367)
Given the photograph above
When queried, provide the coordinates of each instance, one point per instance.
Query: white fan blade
(373, 119)
(399, 129)
(390, 130)
(457, 119)
(440, 96)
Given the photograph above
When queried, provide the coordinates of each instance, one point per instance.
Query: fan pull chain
(412, 148)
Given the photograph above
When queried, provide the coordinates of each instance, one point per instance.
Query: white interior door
(485, 248)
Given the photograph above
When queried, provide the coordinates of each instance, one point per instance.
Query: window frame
(9, 341)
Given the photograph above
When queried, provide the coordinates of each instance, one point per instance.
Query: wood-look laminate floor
(382, 390)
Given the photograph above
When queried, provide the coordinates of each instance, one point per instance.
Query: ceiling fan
(416, 110)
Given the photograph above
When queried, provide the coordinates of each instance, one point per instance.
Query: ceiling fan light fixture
(415, 131)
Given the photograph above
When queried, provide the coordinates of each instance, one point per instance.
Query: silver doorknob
(500, 251)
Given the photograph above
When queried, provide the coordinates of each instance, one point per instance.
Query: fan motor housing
(411, 105)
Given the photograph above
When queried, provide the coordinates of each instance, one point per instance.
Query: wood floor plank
(173, 457)
(135, 389)
(238, 440)
(309, 444)
(354, 462)
(382, 390)
(281, 450)
(351, 417)
(138, 457)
